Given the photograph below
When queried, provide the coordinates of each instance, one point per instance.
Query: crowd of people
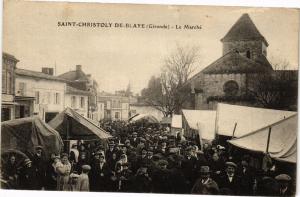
(146, 158)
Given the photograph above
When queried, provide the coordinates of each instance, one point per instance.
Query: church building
(227, 78)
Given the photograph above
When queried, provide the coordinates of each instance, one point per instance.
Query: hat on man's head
(26, 162)
(204, 170)
(127, 141)
(283, 177)
(189, 148)
(86, 167)
(134, 133)
(38, 148)
(64, 155)
(162, 162)
(229, 163)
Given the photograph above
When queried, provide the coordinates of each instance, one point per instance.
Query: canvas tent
(144, 117)
(176, 124)
(282, 141)
(72, 126)
(25, 134)
(200, 122)
(166, 121)
(247, 119)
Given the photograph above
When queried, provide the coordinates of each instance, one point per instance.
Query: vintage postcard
(149, 98)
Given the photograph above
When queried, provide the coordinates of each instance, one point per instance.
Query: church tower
(244, 38)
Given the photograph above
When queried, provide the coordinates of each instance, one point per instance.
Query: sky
(116, 57)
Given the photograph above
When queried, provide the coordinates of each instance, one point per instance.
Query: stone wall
(213, 86)
(255, 48)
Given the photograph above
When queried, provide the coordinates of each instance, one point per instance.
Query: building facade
(8, 104)
(84, 82)
(77, 100)
(47, 90)
(116, 107)
(227, 79)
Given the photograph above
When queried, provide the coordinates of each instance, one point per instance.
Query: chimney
(48, 71)
(78, 67)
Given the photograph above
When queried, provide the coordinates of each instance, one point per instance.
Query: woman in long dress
(63, 170)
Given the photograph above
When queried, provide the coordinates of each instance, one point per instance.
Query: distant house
(83, 82)
(115, 107)
(228, 79)
(47, 90)
(8, 105)
(77, 99)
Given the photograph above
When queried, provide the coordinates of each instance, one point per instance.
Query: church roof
(244, 29)
(233, 62)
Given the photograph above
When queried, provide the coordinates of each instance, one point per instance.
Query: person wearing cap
(284, 181)
(111, 149)
(177, 177)
(230, 179)
(205, 184)
(51, 175)
(82, 183)
(247, 178)
(141, 181)
(161, 179)
(39, 163)
(28, 176)
(134, 140)
(189, 164)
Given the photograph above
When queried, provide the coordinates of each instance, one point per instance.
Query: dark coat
(40, 166)
(178, 181)
(161, 181)
(28, 179)
(141, 184)
(208, 188)
(234, 185)
(51, 175)
(99, 177)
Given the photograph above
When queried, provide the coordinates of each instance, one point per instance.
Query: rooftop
(233, 62)
(72, 90)
(244, 29)
(39, 75)
(9, 56)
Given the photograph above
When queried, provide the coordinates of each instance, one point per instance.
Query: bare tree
(173, 90)
(276, 89)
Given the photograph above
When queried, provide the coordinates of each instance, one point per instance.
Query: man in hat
(83, 179)
(205, 184)
(161, 182)
(110, 150)
(141, 181)
(189, 164)
(284, 181)
(247, 178)
(39, 163)
(134, 140)
(28, 176)
(229, 179)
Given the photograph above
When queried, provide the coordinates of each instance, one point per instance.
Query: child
(83, 179)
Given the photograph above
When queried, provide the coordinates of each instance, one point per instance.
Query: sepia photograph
(141, 98)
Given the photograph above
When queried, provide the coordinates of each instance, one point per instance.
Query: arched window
(231, 88)
(248, 54)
